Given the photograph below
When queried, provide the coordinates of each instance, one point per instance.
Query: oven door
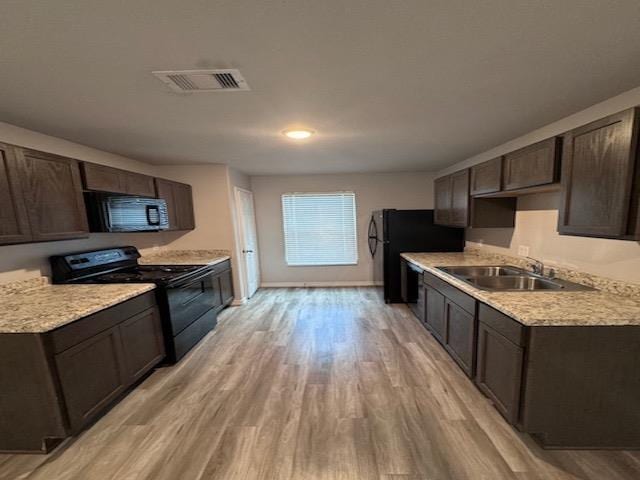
(190, 300)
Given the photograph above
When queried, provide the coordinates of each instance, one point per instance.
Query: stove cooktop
(145, 274)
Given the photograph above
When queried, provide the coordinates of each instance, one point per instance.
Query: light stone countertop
(184, 257)
(548, 308)
(35, 306)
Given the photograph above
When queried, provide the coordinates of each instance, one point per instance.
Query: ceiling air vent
(219, 80)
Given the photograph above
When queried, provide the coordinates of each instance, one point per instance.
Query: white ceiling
(389, 85)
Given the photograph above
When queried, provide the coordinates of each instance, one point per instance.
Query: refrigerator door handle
(373, 236)
(373, 228)
(373, 246)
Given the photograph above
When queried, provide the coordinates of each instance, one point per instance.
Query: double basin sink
(506, 278)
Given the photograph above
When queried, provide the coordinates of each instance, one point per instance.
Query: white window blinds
(320, 228)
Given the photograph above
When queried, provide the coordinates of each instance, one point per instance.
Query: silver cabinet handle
(247, 251)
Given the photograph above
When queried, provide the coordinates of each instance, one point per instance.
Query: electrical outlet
(523, 250)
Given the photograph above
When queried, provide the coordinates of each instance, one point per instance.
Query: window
(320, 228)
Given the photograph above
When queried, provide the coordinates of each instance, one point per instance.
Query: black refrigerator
(392, 232)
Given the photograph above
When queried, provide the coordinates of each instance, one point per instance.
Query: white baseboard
(238, 301)
(356, 283)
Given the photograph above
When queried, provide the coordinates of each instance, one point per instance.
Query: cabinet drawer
(76, 332)
(504, 325)
(463, 300)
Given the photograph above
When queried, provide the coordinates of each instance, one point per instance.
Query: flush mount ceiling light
(298, 133)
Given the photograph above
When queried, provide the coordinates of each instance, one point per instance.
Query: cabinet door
(102, 178)
(499, 372)
(142, 343)
(14, 222)
(183, 198)
(91, 376)
(404, 280)
(226, 287)
(459, 216)
(164, 189)
(537, 164)
(179, 198)
(138, 184)
(217, 293)
(461, 336)
(435, 313)
(53, 194)
(597, 174)
(442, 188)
(486, 177)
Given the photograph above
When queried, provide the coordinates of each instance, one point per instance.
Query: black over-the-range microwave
(123, 213)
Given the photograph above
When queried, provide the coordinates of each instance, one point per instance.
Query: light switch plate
(523, 250)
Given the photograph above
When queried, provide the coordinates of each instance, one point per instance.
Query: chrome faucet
(537, 266)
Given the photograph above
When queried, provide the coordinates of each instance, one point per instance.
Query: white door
(248, 241)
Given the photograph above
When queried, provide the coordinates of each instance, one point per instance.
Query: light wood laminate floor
(312, 384)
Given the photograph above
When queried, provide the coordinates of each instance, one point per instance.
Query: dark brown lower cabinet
(450, 315)
(142, 344)
(499, 373)
(91, 376)
(435, 313)
(55, 383)
(567, 386)
(226, 287)
(222, 284)
(461, 336)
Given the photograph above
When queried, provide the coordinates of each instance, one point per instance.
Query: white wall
(537, 215)
(29, 260)
(373, 192)
(214, 209)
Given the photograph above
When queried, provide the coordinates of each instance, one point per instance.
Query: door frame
(243, 275)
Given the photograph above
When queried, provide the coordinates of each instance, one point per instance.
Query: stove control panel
(68, 267)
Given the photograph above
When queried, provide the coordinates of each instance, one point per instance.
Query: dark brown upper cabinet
(179, 198)
(101, 178)
(486, 177)
(52, 192)
(138, 184)
(14, 223)
(454, 207)
(600, 178)
(442, 212)
(532, 166)
(452, 199)
(459, 216)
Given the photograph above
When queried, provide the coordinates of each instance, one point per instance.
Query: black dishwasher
(412, 288)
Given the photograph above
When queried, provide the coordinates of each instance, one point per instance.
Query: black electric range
(185, 293)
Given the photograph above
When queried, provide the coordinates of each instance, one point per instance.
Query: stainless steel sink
(516, 282)
(483, 271)
(507, 278)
